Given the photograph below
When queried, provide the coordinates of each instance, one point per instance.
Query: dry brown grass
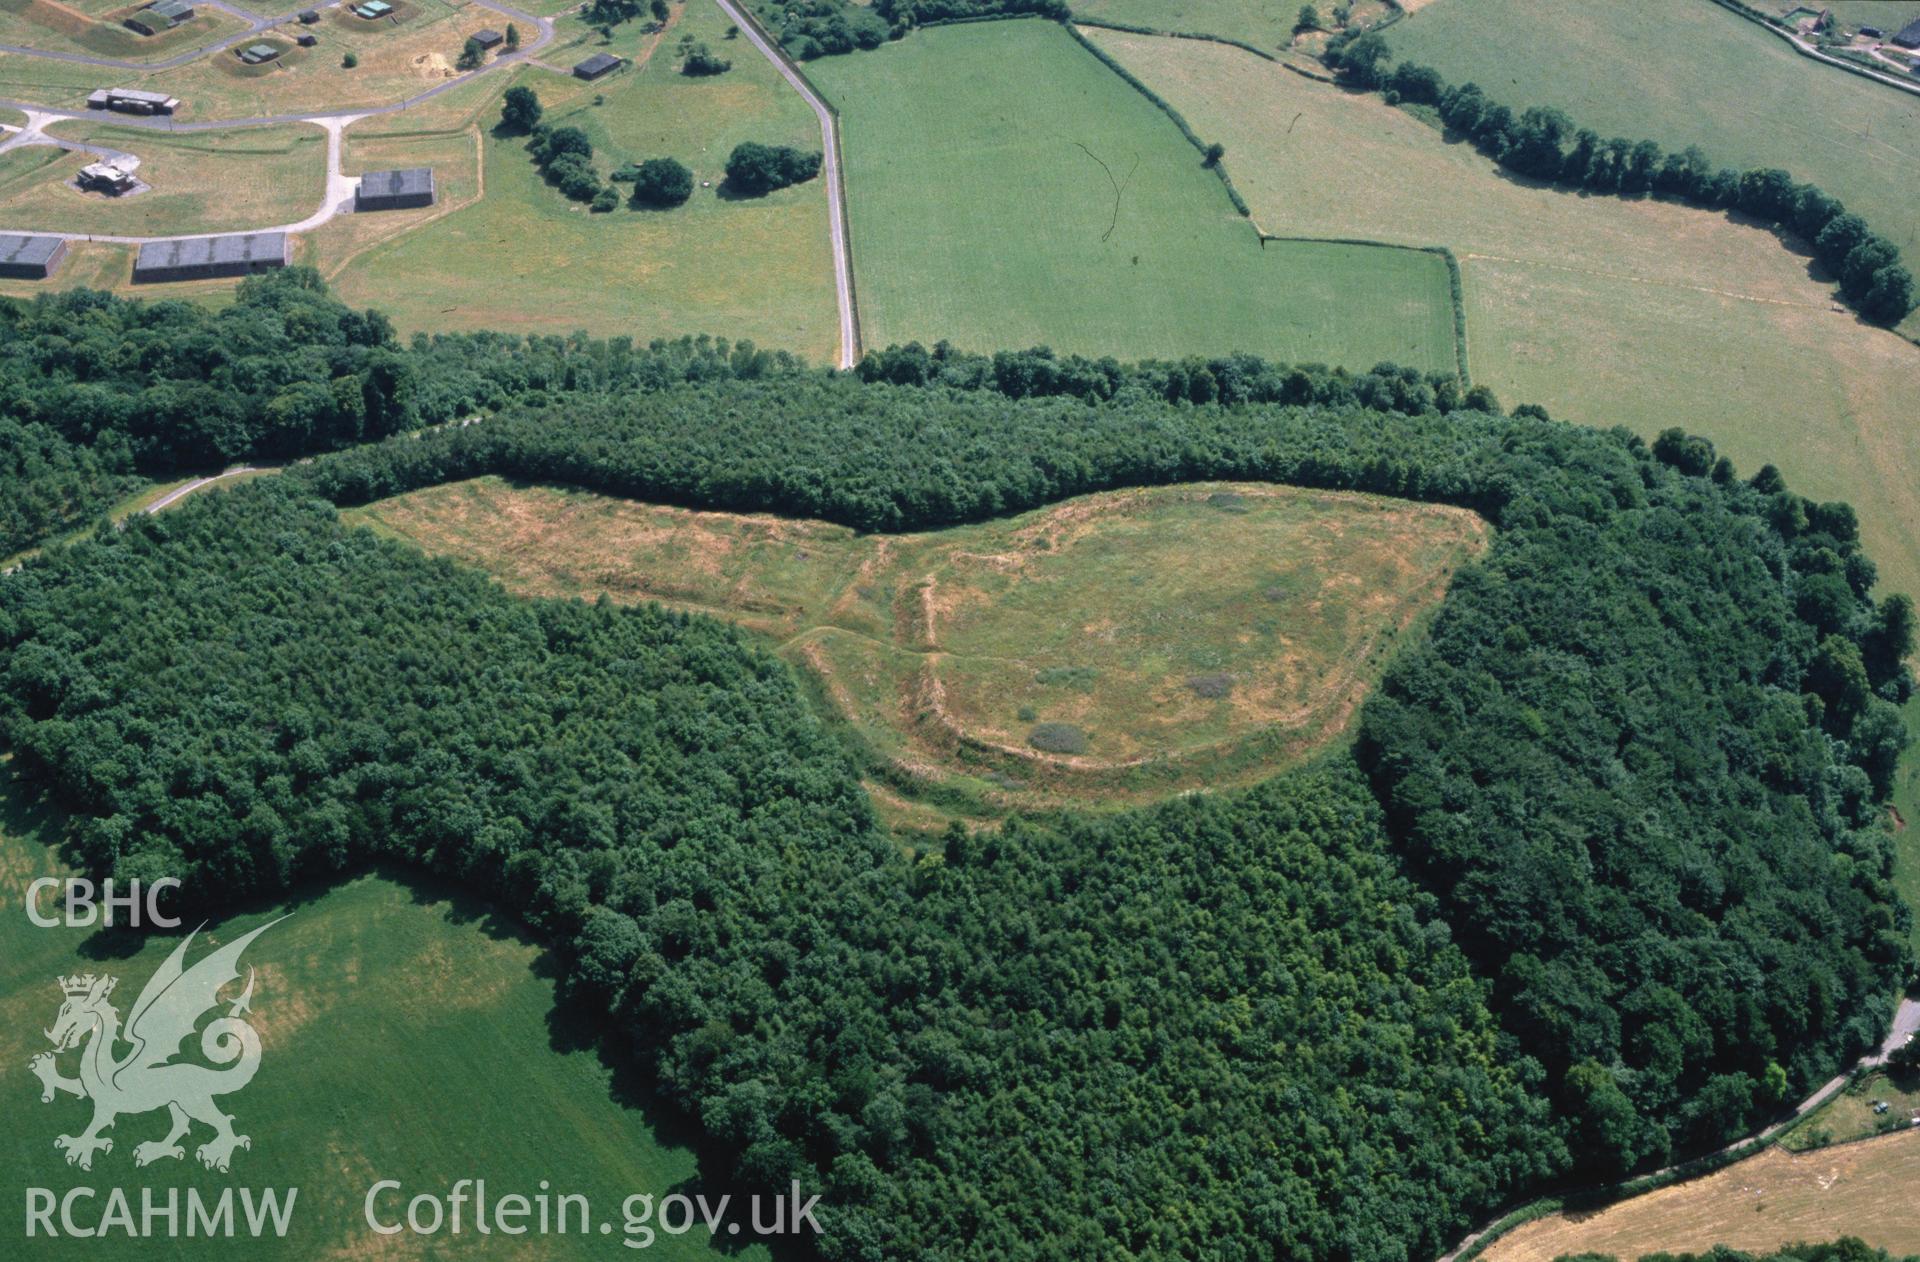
(947, 648)
(1865, 1190)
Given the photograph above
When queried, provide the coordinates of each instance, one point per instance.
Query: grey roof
(489, 37)
(411, 181)
(254, 247)
(137, 94)
(598, 63)
(15, 248)
(171, 8)
(1909, 34)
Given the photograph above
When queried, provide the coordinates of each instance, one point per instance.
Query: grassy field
(1688, 74)
(526, 259)
(55, 83)
(96, 30)
(1776, 1198)
(1174, 638)
(1852, 1114)
(1605, 310)
(1268, 26)
(395, 62)
(383, 998)
(200, 182)
(982, 167)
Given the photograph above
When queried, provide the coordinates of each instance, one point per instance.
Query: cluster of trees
(48, 484)
(698, 59)
(1630, 780)
(658, 182)
(818, 28)
(604, 15)
(1196, 379)
(755, 169)
(564, 156)
(1546, 143)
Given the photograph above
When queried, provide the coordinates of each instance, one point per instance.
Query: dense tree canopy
(1634, 768)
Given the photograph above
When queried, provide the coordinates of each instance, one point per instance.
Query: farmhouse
(488, 38)
(29, 258)
(107, 177)
(197, 258)
(256, 54)
(132, 101)
(163, 15)
(373, 9)
(1909, 35)
(595, 66)
(395, 190)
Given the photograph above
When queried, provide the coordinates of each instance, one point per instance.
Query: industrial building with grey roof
(197, 258)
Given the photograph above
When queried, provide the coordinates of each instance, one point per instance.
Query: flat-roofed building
(133, 101)
(373, 9)
(488, 38)
(163, 15)
(595, 66)
(395, 190)
(198, 258)
(30, 258)
(256, 54)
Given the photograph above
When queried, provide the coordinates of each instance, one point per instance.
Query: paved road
(1906, 1025)
(836, 204)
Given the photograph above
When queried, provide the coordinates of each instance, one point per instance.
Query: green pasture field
(525, 259)
(54, 83)
(1188, 636)
(1268, 26)
(982, 165)
(409, 1033)
(1605, 310)
(1687, 74)
(97, 30)
(252, 177)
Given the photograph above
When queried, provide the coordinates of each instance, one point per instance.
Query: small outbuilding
(373, 9)
(107, 177)
(309, 16)
(488, 38)
(395, 190)
(1908, 36)
(1873, 32)
(306, 39)
(133, 101)
(201, 258)
(30, 258)
(162, 15)
(259, 54)
(597, 65)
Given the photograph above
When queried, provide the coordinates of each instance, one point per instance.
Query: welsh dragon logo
(167, 1013)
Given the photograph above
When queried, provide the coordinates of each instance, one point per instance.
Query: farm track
(1906, 1025)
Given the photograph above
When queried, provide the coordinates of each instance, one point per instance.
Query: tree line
(1603, 880)
(1546, 143)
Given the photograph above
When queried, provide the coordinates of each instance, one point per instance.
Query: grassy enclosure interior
(1006, 189)
(1128, 644)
